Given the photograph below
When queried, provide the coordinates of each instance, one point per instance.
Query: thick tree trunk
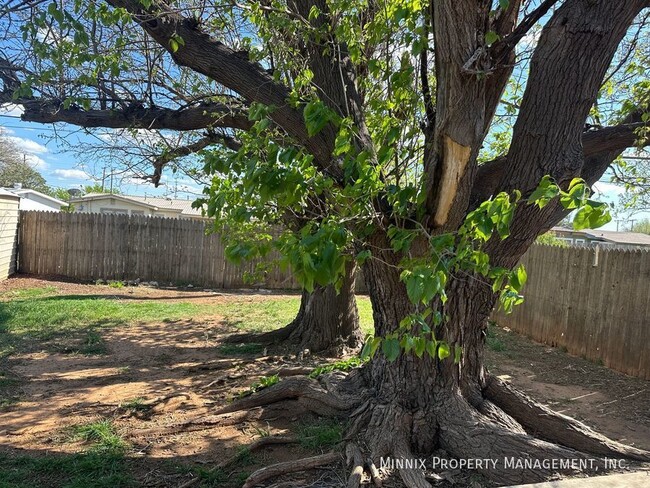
(327, 321)
(421, 404)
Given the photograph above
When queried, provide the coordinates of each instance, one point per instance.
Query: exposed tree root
(375, 475)
(271, 337)
(307, 391)
(202, 423)
(219, 364)
(543, 422)
(354, 459)
(505, 425)
(254, 446)
(291, 467)
(413, 478)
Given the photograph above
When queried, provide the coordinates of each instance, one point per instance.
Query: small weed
(116, 284)
(92, 344)
(242, 477)
(262, 432)
(320, 435)
(238, 349)
(344, 365)
(211, 477)
(100, 434)
(124, 370)
(264, 382)
(135, 405)
(492, 340)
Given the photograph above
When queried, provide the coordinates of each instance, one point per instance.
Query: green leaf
(443, 350)
(504, 4)
(317, 116)
(173, 45)
(518, 278)
(370, 347)
(591, 216)
(491, 37)
(391, 349)
(431, 347)
(419, 346)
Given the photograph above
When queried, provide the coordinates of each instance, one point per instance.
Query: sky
(62, 168)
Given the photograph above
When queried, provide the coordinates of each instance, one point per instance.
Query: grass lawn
(44, 318)
(38, 315)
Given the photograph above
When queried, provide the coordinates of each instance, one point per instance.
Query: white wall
(112, 205)
(8, 235)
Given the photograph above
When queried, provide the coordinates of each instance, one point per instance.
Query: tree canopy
(14, 168)
(430, 142)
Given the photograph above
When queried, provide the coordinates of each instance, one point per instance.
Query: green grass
(241, 349)
(262, 316)
(87, 470)
(135, 404)
(37, 318)
(28, 293)
(323, 434)
(100, 435)
(38, 315)
(494, 339)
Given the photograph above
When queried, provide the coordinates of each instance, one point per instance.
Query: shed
(9, 214)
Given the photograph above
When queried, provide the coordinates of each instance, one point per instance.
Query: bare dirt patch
(160, 374)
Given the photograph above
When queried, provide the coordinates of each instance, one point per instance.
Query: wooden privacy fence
(593, 301)
(89, 246)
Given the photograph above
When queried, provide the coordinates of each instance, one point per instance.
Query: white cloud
(27, 145)
(73, 174)
(35, 162)
(11, 109)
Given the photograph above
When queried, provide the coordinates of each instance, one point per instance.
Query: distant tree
(14, 168)
(97, 188)
(634, 174)
(550, 239)
(643, 226)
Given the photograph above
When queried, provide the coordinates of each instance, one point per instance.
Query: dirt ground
(178, 369)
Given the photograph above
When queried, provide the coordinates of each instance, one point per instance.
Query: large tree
(376, 129)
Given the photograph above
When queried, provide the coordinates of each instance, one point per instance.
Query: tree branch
(138, 117)
(207, 56)
(508, 43)
(178, 152)
(595, 144)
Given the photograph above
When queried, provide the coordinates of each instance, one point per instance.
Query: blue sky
(62, 168)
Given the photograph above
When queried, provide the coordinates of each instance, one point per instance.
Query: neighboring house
(35, 200)
(108, 203)
(8, 232)
(597, 237)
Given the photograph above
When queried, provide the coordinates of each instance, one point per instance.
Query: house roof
(7, 193)
(182, 207)
(630, 238)
(22, 192)
(619, 237)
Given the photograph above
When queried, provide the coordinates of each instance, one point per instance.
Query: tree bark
(420, 404)
(327, 320)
